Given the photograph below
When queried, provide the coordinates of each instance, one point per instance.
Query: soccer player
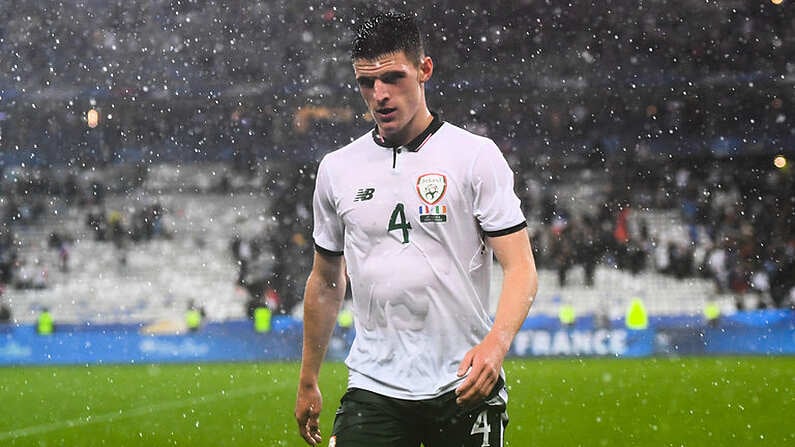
(413, 212)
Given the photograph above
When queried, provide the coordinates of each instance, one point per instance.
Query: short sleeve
(496, 206)
(328, 232)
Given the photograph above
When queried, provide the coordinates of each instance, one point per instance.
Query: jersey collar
(415, 144)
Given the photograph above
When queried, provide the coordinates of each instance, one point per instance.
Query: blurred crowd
(233, 80)
(726, 220)
(730, 221)
(658, 105)
(144, 46)
(273, 264)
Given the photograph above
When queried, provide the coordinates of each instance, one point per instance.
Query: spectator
(717, 268)
(45, 324)
(118, 235)
(5, 309)
(194, 316)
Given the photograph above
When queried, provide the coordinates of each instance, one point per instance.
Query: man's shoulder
(363, 142)
(343, 154)
(458, 133)
(466, 145)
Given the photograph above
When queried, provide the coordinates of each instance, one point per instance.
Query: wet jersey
(411, 222)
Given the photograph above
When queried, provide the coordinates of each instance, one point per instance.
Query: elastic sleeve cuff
(509, 230)
(326, 252)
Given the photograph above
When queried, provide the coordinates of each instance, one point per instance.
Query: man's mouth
(386, 113)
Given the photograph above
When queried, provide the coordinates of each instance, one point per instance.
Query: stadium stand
(157, 277)
(641, 142)
(191, 259)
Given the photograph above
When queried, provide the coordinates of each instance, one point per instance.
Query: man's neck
(418, 124)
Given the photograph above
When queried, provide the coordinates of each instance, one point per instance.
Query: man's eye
(392, 78)
(366, 83)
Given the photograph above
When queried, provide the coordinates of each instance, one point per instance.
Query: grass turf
(715, 401)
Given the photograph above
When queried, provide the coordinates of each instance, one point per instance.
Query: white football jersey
(411, 223)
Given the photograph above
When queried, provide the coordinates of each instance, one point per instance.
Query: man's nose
(380, 91)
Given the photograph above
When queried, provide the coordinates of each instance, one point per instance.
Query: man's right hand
(307, 412)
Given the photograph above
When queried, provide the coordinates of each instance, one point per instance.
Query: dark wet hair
(387, 33)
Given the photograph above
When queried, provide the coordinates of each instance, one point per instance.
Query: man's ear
(425, 69)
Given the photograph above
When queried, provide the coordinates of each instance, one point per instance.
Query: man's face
(392, 88)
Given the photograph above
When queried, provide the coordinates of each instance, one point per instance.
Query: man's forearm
(322, 301)
(518, 291)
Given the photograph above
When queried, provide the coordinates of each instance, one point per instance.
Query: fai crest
(431, 187)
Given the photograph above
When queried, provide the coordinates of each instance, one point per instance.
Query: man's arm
(519, 287)
(325, 291)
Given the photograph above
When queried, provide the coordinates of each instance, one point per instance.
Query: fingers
(309, 427)
(478, 384)
(312, 435)
(474, 390)
(312, 438)
(307, 413)
(463, 367)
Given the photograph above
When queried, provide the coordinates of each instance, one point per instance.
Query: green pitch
(591, 402)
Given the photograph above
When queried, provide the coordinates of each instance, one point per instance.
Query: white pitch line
(127, 414)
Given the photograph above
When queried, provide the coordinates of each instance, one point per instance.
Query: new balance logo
(364, 194)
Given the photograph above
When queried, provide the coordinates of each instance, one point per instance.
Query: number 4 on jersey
(398, 222)
(481, 425)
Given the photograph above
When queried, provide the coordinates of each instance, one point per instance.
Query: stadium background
(160, 153)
